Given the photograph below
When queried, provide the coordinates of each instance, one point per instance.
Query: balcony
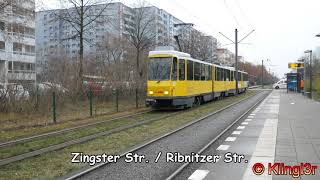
(3, 55)
(21, 75)
(23, 57)
(30, 39)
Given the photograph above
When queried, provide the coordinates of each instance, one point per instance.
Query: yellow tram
(176, 80)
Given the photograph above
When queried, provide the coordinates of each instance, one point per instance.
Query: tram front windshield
(159, 69)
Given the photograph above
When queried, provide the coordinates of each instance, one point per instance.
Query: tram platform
(284, 130)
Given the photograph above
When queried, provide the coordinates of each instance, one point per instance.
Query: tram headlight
(166, 92)
(151, 92)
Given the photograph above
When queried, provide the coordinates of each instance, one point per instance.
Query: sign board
(295, 65)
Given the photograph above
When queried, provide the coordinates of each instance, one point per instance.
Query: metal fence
(312, 77)
(34, 107)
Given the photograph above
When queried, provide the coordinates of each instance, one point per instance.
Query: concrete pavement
(285, 128)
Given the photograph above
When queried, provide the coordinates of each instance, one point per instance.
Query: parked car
(46, 86)
(282, 84)
(3, 92)
(13, 90)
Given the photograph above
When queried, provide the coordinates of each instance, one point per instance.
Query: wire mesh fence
(24, 106)
(312, 77)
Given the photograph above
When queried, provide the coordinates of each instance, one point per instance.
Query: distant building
(54, 36)
(225, 57)
(17, 42)
(164, 28)
(213, 43)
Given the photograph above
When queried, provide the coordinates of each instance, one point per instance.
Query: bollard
(91, 102)
(54, 107)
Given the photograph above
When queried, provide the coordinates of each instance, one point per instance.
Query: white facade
(17, 42)
(164, 27)
(225, 57)
(54, 36)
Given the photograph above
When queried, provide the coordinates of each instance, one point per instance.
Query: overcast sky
(283, 28)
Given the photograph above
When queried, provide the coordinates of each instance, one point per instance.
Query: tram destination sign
(295, 65)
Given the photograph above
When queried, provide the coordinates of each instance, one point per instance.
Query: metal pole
(91, 103)
(236, 59)
(262, 75)
(311, 74)
(304, 78)
(54, 113)
(117, 100)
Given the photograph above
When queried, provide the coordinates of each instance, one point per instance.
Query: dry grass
(34, 130)
(68, 112)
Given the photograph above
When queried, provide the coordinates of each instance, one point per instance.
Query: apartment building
(55, 36)
(17, 42)
(164, 27)
(225, 57)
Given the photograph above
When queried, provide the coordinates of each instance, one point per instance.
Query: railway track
(80, 140)
(182, 167)
(52, 133)
(54, 147)
(85, 171)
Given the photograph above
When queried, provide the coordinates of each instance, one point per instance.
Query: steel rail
(181, 168)
(90, 169)
(59, 132)
(78, 141)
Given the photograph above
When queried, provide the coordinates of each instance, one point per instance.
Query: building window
(10, 65)
(2, 25)
(2, 45)
(17, 47)
(30, 49)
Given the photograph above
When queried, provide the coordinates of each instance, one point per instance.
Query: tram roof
(178, 54)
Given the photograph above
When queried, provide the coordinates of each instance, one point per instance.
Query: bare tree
(189, 38)
(82, 14)
(142, 36)
(4, 4)
(197, 44)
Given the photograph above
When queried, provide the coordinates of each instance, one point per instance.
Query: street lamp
(263, 73)
(310, 71)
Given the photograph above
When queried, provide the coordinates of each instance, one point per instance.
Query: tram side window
(209, 72)
(181, 69)
(174, 69)
(216, 73)
(228, 75)
(203, 72)
(232, 74)
(239, 76)
(206, 72)
(197, 71)
(245, 77)
(220, 74)
(189, 70)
